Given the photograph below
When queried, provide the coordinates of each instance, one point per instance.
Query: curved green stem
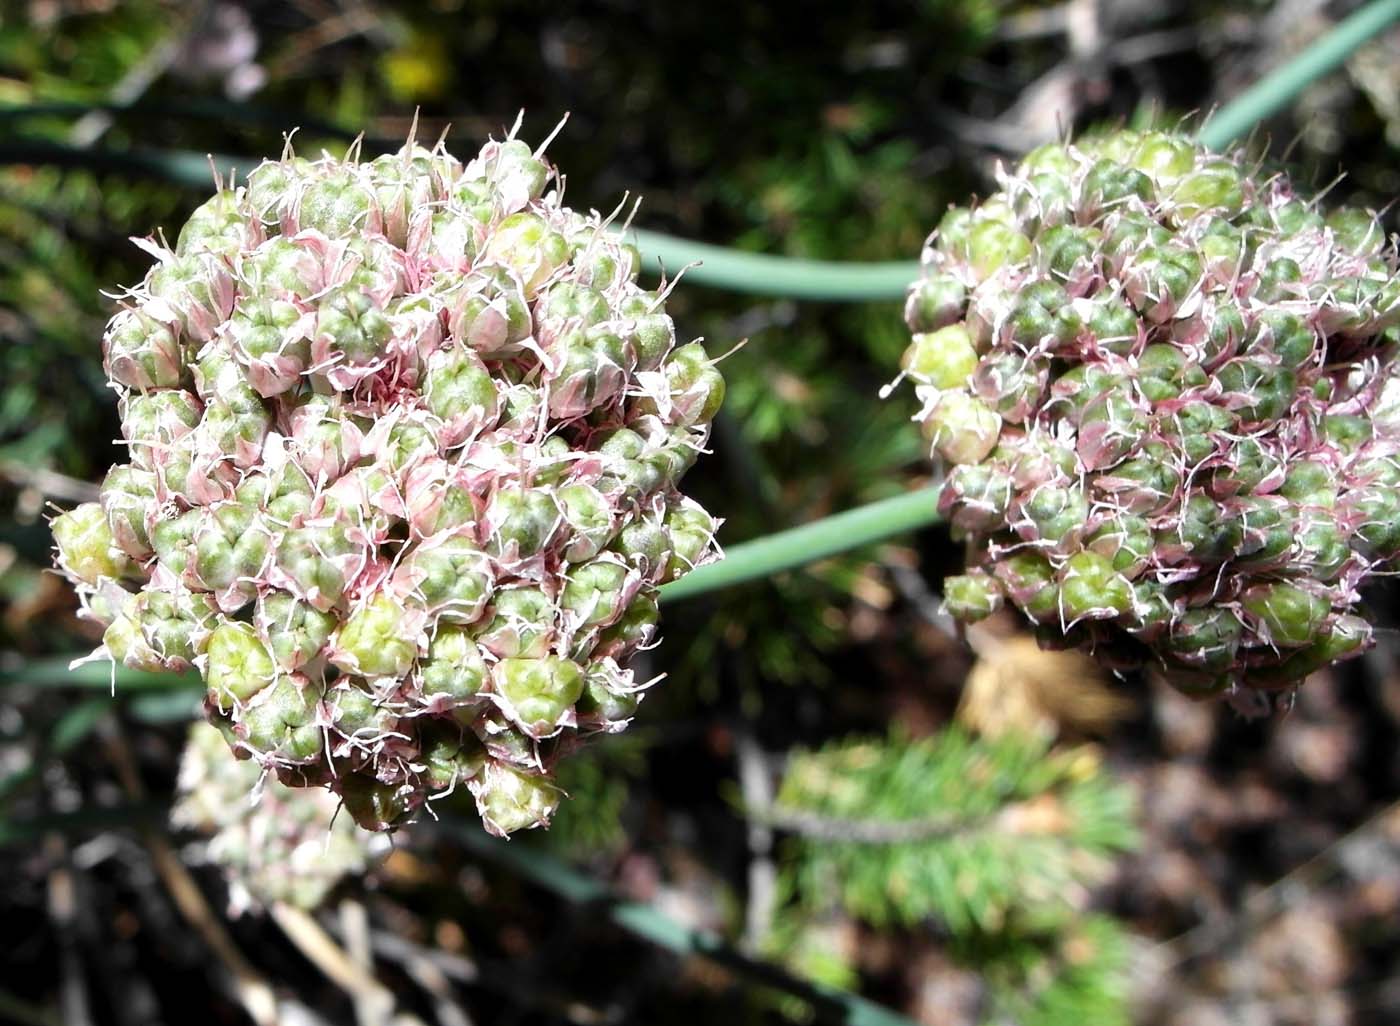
(809, 542)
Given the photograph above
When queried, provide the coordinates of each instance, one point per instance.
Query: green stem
(1277, 89)
(807, 543)
(760, 273)
(642, 920)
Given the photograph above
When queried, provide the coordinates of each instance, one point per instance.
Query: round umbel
(405, 438)
(1161, 386)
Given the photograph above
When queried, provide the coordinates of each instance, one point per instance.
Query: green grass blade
(54, 671)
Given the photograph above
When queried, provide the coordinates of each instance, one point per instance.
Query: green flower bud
(1356, 230)
(633, 629)
(993, 244)
(1111, 185)
(1042, 313)
(451, 755)
(569, 302)
(1207, 638)
(153, 421)
(1164, 158)
(140, 352)
(1069, 252)
(377, 640)
(1090, 589)
(934, 302)
(282, 725)
(1260, 393)
(517, 173)
(520, 522)
(945, 358)
(588, 517)
(350, 330)
(1214, 187)
(1055, 512)
(962, 428)
(1280, 279)
(314, 561)
(521, 623)
(976, 495)
(1287, 616)
(509, 800)
(972, 596)
(449, 576)
(606, 700)
(1114, 324)
(525, 243)
(371, 803)
(690, 530)
(86, 547)
(1126, 541)
(125, 645)
(596, 592)
(1165, 372)
(1310, 483)
(454, 671)
(1270, 527)
(696, 388)
(128, 495)
(296, 630)
(1029, 580)
(337, 205)
(536, 693)
(239, 665)
(217, 225)
(1347, 636)
(175, 626)
(1208, 532)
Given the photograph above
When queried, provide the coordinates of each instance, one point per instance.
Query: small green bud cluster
(1162, 388)
(405, 443)
(274, 843)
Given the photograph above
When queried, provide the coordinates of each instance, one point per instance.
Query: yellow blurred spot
(417, 70)
(1015, 685)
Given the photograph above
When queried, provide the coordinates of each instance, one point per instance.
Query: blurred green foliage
(997, 841)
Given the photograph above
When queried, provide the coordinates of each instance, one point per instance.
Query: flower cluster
(1161, 385)
(274, 844)
(405, 437)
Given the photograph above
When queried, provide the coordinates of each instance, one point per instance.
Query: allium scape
(1164, 390)
(405, 437)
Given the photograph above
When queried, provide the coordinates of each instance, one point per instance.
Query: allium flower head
(404, 440)
(1161, 385)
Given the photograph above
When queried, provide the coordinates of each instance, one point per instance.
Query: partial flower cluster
(275, 844)
(1161, 384)
(405, 437)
